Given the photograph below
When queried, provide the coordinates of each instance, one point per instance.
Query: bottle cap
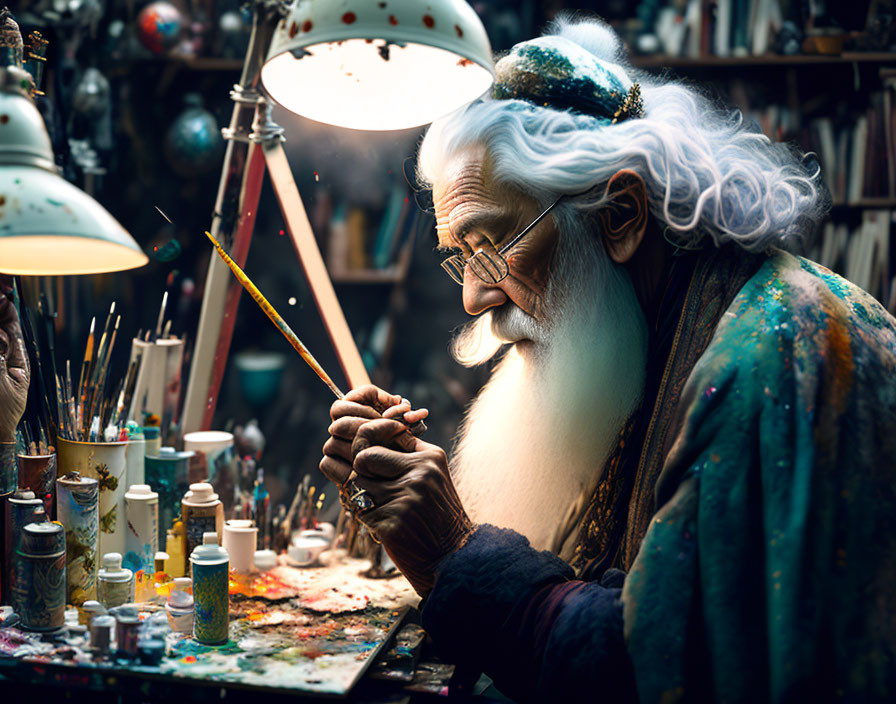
(201, 493)
(210, 538)
(209, 552)
(180, 595)
(141, 492)
(23, 495)
(151, 432)
(112, 561)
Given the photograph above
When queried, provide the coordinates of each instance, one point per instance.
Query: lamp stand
(254, 145)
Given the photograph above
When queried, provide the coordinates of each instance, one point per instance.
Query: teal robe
(768, 572)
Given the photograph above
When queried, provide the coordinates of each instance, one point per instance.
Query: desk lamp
(47, 225)
(363, 64)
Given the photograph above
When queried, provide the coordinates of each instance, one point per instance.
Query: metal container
(142, 538)
(77, 505)
(38, 473)
(40, 577)
(21, 509)
(105, 462)
(126, 633)
(202, 512)
(211, 606)
(167, 473)
(101, 629)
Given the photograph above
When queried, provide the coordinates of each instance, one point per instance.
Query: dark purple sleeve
(519, 615)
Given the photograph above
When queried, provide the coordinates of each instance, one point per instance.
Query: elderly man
(678, 484)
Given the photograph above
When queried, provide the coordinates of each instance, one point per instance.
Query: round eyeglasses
(490, 266)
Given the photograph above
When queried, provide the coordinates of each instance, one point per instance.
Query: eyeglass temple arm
(531, 225)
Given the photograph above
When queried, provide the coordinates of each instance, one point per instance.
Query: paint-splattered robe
(767, 571)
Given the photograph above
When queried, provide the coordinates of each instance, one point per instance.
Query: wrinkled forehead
(465, 190)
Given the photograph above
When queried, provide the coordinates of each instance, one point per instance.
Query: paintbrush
(84, 378)
(161, 319)
(275, 318)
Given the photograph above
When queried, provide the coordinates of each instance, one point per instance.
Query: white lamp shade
(378, 65)
(48, 226)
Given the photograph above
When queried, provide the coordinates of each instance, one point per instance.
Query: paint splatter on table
(301, 630)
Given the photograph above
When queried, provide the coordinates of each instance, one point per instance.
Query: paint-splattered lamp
(47, 225)
(378, 65)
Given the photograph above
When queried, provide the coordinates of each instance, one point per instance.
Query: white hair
(706, 172)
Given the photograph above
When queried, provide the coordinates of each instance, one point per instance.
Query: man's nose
(480, 296)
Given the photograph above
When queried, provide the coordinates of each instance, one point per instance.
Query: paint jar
(175, 564)
(21, 509)
(305, 550)
(135, 457)
(126, 632)
(101, 629)
(38, 473)
(40, 577)
(152, 434)
(202, 512)
(211, 606)
(142, 537)
(105, 462)
(240, 541)
(167, 473)
(265, 560)
(180, 606)
(216, 464)
(114, 583)
(77, 505)
(90, 610)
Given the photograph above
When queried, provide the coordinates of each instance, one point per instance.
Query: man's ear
(624, 219)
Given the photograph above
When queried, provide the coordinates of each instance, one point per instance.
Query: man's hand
(418, 515)
(350, 413)
(14, 373)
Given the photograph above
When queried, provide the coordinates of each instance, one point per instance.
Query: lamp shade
(47, 225)
(378, 65)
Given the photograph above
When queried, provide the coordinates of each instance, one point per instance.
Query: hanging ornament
(91, 96)
(159, 26)
(193, 143)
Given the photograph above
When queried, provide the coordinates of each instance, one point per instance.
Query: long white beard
(534, 442)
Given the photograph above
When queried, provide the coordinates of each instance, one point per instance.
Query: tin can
(105, 462)
(211, 606)
(101, 633)
(201, 512)
(126, 633)
(21, 509)
(77, 504)
(167, 473)
(40, 577)
(142, 538)
(38, 473)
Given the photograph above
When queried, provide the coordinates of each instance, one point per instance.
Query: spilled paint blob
(459, 31)
(307, 25)
(293, 29)
(4, 118)
(349, 17)
(57, 203)
(392, 20)
(429, 21)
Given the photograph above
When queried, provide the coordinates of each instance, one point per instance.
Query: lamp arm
(239, 188)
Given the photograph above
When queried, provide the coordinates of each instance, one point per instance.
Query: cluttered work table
(313, 631)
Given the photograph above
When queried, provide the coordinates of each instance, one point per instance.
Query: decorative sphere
(193, 143)
(159, 26)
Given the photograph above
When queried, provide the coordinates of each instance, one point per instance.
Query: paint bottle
(126, 632)
(168, 473)
(202, 512)
(21, 510)
(175, 565)
(152, 435)
(77, 505)
(211, 608)
(240, 541)
(135, 457)
(180, 606)
(38, 473)
(114, 584)
(40, 579)
(142, 539)
(101, 633)
(90, 609)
